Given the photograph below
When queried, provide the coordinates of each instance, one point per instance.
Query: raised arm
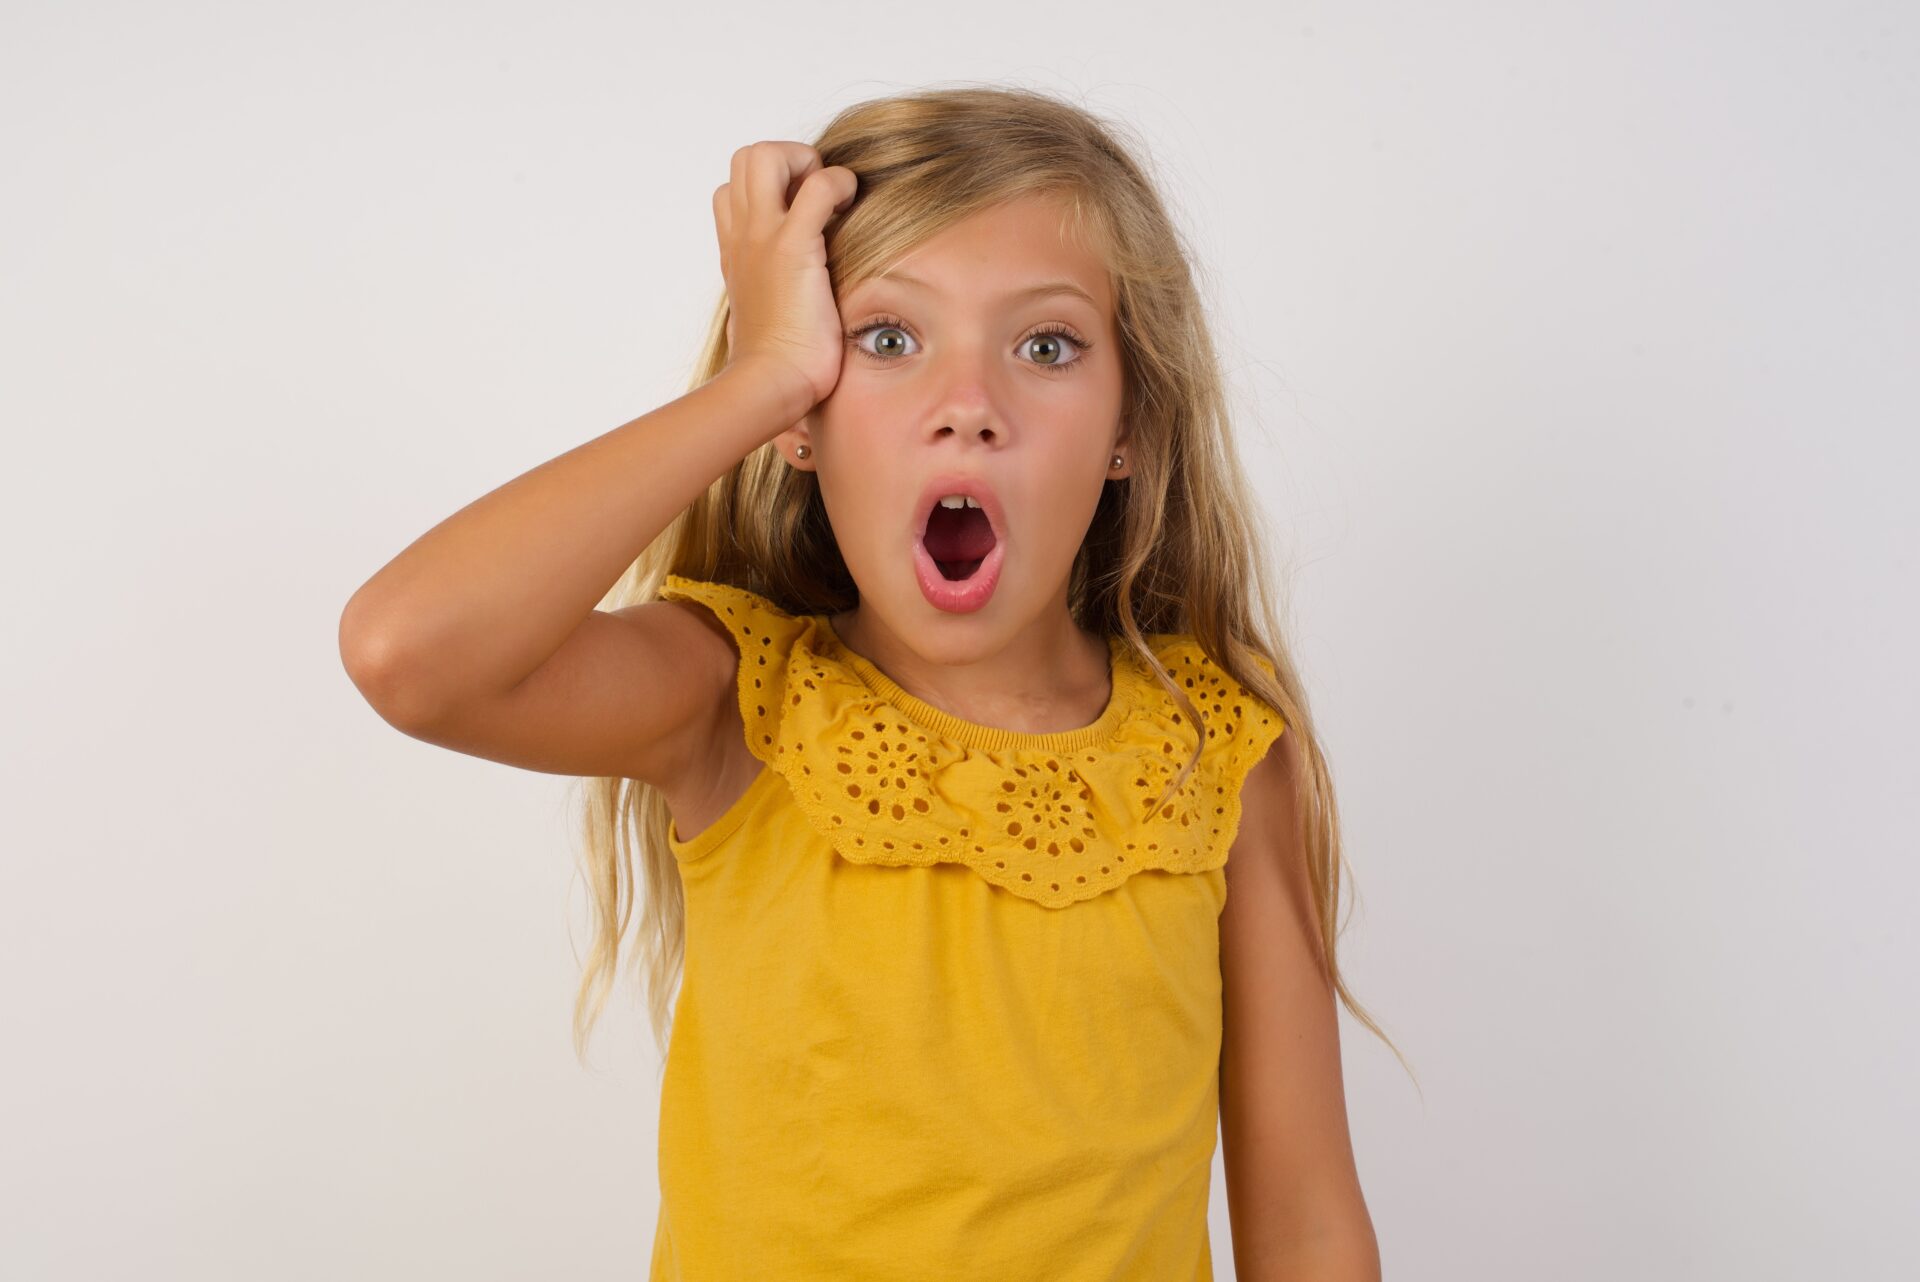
(483, 635)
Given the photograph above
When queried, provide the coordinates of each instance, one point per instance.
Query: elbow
(385, 669)
(1351, 1257)
(1334, 1247)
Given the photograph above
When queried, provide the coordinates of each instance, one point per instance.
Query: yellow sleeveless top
(951, 997)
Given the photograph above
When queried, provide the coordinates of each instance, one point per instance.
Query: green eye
(893, 333)
(1053, 343)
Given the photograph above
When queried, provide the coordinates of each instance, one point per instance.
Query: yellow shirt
(951, 999)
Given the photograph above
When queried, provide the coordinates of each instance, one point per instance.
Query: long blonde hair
(1176, 549)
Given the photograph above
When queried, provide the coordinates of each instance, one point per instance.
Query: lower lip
(957, 596)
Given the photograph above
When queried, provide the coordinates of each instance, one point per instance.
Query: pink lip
(957, 597)
(969, 594)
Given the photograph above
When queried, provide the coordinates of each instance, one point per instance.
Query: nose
(964, 404)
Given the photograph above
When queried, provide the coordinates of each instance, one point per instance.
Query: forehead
(1000, 256)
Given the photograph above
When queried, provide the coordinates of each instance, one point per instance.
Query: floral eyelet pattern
(1052, 818)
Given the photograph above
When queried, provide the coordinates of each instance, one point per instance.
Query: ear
(800, 433)
(1121, 446)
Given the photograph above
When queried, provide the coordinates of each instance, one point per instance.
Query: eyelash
(894, 322)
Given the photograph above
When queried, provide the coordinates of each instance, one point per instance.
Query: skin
(1293, 1191)
(962, 394)
(483, 635)
(965, 384)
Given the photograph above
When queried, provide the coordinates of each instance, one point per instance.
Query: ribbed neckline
(1120, 668)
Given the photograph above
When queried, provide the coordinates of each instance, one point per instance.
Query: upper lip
(956, 483)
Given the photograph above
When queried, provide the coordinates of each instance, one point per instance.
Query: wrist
(782, 390)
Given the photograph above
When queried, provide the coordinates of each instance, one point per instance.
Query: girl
(939, 712)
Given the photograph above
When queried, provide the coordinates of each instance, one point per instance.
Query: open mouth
(958, 537)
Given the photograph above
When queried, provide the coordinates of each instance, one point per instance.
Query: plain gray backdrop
(1573, 349)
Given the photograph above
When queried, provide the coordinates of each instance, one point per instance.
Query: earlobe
(796, 447)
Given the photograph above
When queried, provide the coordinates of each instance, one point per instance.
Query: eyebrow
(1039, 290)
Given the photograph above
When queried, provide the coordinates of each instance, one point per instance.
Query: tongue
(958, 534)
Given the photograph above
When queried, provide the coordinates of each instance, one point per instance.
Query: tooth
(954, 500)
(971, 501)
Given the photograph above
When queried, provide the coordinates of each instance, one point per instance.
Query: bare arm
(483, 634)
(1293, 1194)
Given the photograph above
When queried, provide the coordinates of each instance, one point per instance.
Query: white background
(1574, 351)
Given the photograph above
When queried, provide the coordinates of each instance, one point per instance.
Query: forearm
(1336, 1247)
(491, 592)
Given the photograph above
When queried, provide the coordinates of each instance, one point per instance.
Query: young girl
(980, 814)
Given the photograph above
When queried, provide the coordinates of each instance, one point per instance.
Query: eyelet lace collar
(889, 779)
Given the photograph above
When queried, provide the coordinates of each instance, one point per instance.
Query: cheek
(857, 473)
(861, 438)
(1059, 489)
(858, 408)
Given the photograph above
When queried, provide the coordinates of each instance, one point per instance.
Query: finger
(723, 225)
(737, 187)
(824, 193)
(772, 170)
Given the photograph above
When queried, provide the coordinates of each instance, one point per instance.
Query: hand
(781, 314)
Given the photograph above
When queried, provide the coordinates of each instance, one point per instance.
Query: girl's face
(985, 362)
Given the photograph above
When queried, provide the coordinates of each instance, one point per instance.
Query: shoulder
(756, 625)
(1245, 757)
(1269, 828)
(733, 642)
(703, 638)
(1238, 722)
(770, 659)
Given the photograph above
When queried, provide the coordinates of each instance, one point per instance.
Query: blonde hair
(1175, 549)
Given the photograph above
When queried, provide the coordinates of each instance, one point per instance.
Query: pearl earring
(1118, 461)
(801, 451)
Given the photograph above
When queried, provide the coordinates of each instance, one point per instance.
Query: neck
(1049, 677)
